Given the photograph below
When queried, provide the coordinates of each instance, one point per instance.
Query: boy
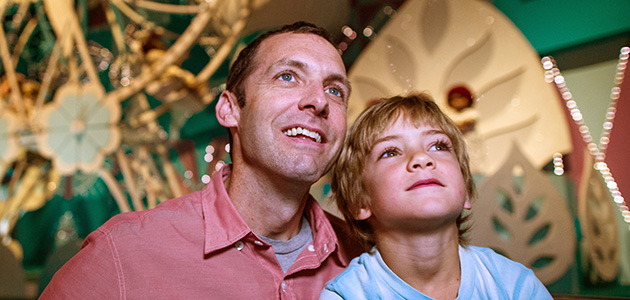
(402, 182)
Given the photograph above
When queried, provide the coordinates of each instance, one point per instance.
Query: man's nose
(315, 99)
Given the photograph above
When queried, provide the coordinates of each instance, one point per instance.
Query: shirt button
(283, 285)
(238, 245)
(311, 248)
(326, 248)
(257, 242)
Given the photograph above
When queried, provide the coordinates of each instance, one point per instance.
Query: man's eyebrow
(339, 78)
(288, 62)
(336, 77)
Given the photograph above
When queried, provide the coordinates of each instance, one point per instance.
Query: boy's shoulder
(491, 258)
(357, 280)
(357, 270)
(493, 275)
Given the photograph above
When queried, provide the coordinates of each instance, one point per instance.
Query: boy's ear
(467, 204)
(227, 110)
(364, 214)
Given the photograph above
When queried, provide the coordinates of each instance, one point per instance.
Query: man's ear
(364, 214)
(227, 110)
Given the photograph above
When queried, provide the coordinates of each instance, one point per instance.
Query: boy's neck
(428, 263)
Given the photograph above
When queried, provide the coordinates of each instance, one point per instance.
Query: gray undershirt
(288, 251)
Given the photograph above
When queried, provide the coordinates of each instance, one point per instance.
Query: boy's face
(413, 179)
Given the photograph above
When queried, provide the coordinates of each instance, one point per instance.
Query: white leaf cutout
(598, 223)
(434, 19)
(520, 214)
(402, 66)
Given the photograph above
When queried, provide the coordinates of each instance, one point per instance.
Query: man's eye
(334, 91)
(286, 77)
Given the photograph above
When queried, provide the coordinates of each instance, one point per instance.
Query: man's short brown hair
(246, 60)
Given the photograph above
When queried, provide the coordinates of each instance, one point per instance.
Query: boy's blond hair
(347, 185)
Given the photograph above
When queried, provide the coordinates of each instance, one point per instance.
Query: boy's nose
(420, 160)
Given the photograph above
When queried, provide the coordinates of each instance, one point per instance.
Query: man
(254, 232)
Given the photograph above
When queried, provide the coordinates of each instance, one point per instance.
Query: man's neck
(272, 207)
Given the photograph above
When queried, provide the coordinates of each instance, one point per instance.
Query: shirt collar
(224, 226)
(324, 238)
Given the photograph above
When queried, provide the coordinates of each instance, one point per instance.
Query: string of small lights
(552, 74)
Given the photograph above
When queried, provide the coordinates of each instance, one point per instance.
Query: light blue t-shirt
(485, 275)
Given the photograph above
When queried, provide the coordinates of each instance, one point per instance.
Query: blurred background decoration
(106, 106)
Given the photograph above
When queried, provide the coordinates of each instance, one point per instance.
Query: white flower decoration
(79, 128)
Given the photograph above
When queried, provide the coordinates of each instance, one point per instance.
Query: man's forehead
(289, 45)
(291, 49)
(290, 38)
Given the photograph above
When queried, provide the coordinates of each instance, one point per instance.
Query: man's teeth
(301, 131)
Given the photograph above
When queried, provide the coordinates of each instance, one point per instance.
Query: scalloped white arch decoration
(434, 45)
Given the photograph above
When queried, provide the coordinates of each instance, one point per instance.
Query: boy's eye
(286, 77)
(388, 153)
(440, 146)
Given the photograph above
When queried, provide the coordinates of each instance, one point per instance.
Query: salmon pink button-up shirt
(196, 247)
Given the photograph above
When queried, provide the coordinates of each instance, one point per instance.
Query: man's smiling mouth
(305, 133)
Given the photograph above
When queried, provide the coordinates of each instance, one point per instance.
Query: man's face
(294, 119)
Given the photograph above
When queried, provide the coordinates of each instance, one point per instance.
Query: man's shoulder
(336, 222)
(184, 210)
(350, 246)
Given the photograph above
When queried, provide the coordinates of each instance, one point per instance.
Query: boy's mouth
(304, 133)
(425, 182)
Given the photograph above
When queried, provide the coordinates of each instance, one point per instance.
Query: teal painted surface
(552, 25)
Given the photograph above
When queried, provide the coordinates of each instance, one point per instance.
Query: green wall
(552, 25)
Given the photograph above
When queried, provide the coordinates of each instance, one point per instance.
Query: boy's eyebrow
(396, 136)
(434, 131)
(385, 139)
